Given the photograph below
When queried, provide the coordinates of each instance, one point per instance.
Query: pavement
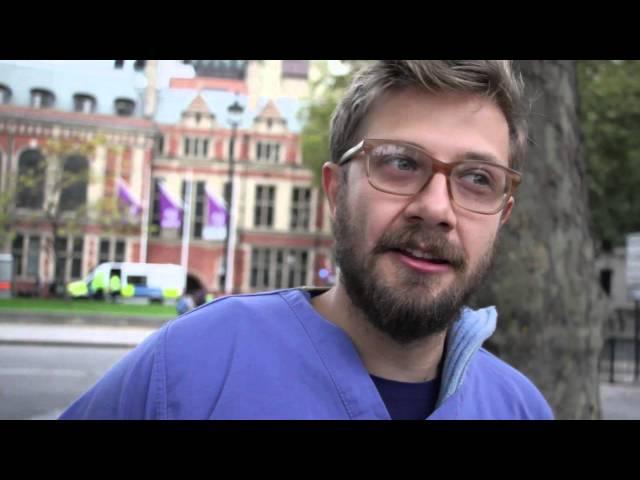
(73, 335)
(620, 401)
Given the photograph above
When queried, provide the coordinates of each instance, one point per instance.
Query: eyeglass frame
(367, 144)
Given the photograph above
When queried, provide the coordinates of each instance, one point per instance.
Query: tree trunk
(544, 283)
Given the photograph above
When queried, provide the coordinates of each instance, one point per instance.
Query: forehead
(449, 126)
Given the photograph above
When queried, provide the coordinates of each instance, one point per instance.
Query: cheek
(374, 216)
(477, 236)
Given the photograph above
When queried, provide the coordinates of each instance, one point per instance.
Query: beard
(410, 310)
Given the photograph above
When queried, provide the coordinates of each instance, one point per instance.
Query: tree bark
(544, 284)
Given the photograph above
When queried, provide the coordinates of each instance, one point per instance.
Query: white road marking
(41, 372)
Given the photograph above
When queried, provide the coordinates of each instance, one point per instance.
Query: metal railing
(620, 357)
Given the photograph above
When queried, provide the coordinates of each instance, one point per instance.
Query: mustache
(416, 237)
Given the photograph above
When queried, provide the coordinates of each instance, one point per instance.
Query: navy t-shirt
(408, 401)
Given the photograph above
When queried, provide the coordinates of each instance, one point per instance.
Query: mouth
(422, 261)
(424, 256)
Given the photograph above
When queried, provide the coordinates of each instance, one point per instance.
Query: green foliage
(610, 117)
(326, 91)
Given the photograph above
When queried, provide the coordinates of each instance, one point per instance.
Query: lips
(423, 255)
(433, 265)
(422, 249)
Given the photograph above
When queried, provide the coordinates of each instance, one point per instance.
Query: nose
(432, 205)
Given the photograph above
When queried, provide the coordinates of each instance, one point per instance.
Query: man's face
(382, 239)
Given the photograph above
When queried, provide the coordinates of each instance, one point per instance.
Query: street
(39, 382)
(43, 368)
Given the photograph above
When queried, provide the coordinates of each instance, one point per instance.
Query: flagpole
(235, 115)
(232, 220)
(146, 198)
(186, 229)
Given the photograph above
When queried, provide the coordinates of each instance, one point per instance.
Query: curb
(54, 343)
(61, 318)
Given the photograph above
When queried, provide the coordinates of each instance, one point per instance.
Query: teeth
(420, 254)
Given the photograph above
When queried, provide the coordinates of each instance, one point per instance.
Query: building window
(296, 268)
(84, 103)
(103, 255)
(121, 250)
(226, 192)
(5, 94)
(198, 216)
(263, 210)
(197, 207)
(76, 258)
(17, 251)
(160, 144)
(155, 208)
(300, 208)
(31, 179)
(60, 246)
(33, 256)
(124, 107)
(112, 250)
(41, 98)
(68, 258)
(196, 147)
(267, 152)
(75, 180)
(278, 268)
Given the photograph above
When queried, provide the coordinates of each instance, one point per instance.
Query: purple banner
(170, 211)
(126, 197)
(217, 217)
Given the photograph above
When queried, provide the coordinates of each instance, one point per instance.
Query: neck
(381, 355)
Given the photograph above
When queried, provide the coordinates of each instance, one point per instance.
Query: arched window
(31, 178)
(5, 94)
(124, 107)
(84, 103)
(41, 98)
(74, 183)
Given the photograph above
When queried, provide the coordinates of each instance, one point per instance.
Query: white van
(155, 281)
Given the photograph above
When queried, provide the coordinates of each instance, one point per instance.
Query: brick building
(167, 122)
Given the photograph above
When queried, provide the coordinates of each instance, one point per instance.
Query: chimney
(151, 92)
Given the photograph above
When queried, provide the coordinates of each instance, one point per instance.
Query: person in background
(185, 303)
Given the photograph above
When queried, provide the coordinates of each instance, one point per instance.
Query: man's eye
(400, 163)
(477, 178)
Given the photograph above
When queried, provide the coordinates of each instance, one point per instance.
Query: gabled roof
(198, 106)
(270, 111)
(173, 102)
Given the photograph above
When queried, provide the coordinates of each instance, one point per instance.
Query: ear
(506, 211)
(331, 184)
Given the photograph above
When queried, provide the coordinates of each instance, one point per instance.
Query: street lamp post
(235, 114)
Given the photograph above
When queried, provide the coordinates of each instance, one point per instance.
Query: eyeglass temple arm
(349, 153)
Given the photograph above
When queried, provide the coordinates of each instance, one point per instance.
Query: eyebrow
(467, 156)
(479, 157)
